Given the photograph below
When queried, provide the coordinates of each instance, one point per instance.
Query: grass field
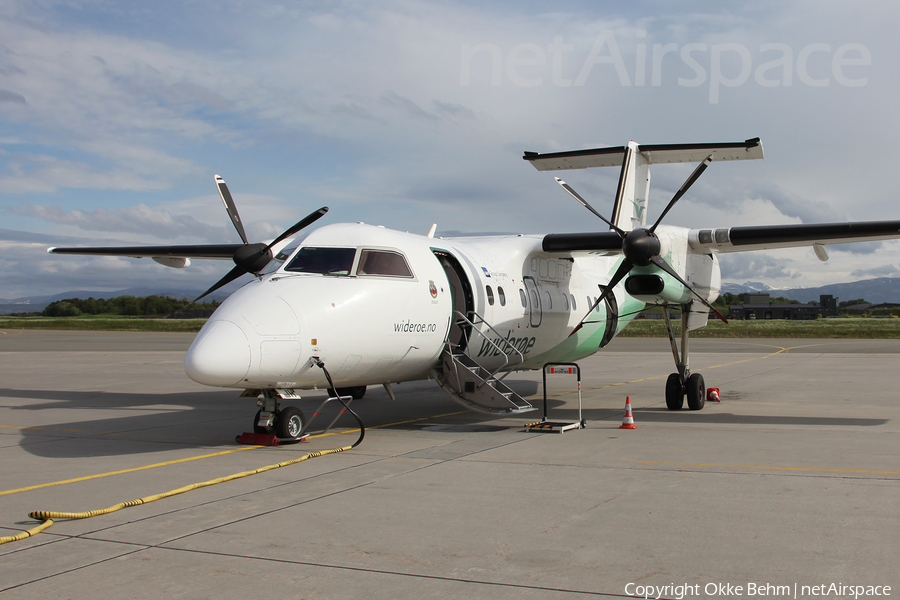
(859, 328)
(820, 328)
(102, 323)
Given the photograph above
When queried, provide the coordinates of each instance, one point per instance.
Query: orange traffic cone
(712, 395)
(628, 420)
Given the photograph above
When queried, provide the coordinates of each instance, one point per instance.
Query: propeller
(252, 258)
(641, 247)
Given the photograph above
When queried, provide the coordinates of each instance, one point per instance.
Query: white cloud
(361, 107)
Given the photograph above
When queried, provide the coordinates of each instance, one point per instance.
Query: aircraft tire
(674, 392)
(289, 423)
(696, 392)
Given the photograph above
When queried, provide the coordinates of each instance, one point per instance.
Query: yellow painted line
(737, 362)
(767, 467)
(153, 466)
(182, 460)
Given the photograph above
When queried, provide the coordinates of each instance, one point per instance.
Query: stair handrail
(474, 324)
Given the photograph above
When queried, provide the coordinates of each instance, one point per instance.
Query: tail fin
(630, 208)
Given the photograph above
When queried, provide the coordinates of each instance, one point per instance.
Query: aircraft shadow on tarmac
(203, 419)
(136, 423)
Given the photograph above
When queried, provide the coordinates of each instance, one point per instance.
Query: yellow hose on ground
(47, 516)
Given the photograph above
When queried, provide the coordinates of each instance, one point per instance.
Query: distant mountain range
(875, 291)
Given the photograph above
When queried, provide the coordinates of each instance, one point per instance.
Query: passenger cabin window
(501, 295)
(490, 294)
(523, 298)
(383, 263)
(324, 261)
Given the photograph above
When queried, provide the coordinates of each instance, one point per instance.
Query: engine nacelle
(654, 286)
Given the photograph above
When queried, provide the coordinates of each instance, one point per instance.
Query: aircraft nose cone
(219, 356)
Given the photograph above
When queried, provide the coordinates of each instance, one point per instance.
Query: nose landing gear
(285, 423)
(288, 424)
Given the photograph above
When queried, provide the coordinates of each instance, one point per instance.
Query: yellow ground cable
(25, 534)
(47, 516)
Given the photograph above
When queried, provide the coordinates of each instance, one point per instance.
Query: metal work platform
(545, 425)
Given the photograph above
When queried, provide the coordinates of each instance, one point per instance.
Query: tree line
(146, 306)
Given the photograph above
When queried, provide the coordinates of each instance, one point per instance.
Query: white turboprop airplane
(382, 306)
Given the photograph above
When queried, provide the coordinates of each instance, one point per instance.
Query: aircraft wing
(739, 239)
(768, 237)
(212, 251)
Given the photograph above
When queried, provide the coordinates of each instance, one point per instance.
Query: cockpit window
(383, 263)
(326, 261)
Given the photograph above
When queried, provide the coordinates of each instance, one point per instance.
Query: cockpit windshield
(325, 261)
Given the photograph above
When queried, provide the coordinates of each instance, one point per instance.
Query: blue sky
(114, 117)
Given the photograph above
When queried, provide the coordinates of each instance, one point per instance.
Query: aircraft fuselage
(377, 305)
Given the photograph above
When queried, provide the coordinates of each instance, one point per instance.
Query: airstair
(471, 384)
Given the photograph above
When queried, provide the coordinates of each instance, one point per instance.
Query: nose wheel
(285, 423)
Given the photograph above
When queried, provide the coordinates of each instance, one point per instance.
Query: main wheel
(674, 392)
(289, 423)
(696, 391)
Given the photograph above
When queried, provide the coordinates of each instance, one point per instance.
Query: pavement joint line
(328, 494)
(523, 586)
(766, 467)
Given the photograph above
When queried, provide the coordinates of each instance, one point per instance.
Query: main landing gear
(683, 383)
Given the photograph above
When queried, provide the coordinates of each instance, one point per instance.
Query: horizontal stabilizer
(653, 154)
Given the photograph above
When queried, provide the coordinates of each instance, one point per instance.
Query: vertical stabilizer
(630, 207)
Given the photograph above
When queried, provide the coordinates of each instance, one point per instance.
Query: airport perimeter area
(790, 487)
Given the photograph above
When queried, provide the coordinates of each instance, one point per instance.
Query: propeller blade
(230, 208)
(585, 204)
(684, 188)
(621, 272)
(662, 264)
(229, 277)
(308, 220)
